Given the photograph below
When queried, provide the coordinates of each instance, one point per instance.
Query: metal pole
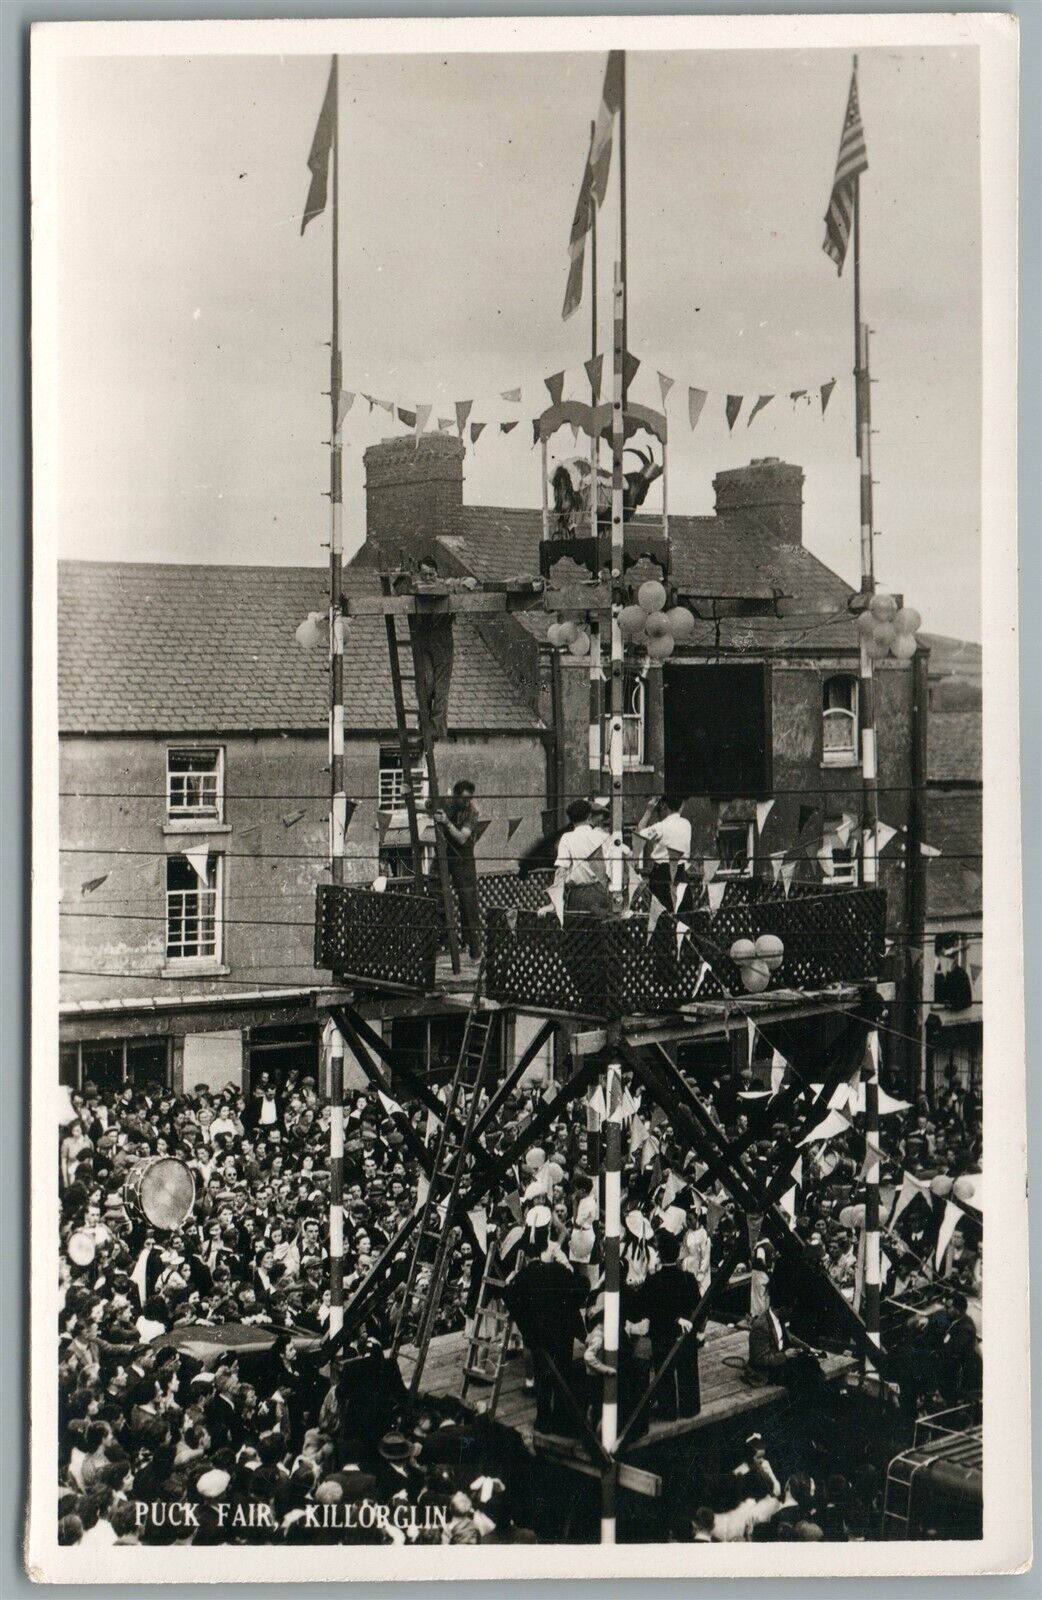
(612, 1146)
(596, 643)
(338, 796)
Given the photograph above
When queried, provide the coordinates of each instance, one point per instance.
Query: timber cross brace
(651, 1065)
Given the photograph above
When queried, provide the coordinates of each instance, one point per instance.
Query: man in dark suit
(545, 1300)
(771, 1356)
(668, 1298)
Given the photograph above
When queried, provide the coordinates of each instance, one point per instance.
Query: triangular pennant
(778, 1066)
(630, 365)
(479, 1222)
(884, 834)
(505, 427)
(696, 399)
(806, 813)
(655, 910)
(732, 408)
(763, 811)
(422, 1190)
(344, 403)
(715, 892)
(444, 424)
(911, 1188)
(480, 827)
(953, 1215)
(513, 823)
(827, 1129)
(788, 872)
(92, 884)
(888, 1106)
(764, 400)
(679, 891)
(975, 970)
(797, 1172)
(787, 1203)
(391, 1107)
(777, 862)
(535, 432)
(422, 413)
(796, 394)
(555, 384)
(664, 386)
(633, 884)
(703, 968)
(510, 918)
(555, 895)
(199, 860)
(682, 931)
(826, 394)
(383, 822)
(750, 1040)
(710, 868)
(513, 395)
(574, 426)
(371, 402)
(928, 849)
(594, 368)
(385, 405)
(463, 410)
(476, 430)
(407, 418)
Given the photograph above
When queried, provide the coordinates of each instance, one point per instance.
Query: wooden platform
(724, 1393)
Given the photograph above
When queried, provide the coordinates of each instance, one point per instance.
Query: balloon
(681, 623)
(657, 626)
(662, 647)
(966, 1187)
(309, 633)
(866, 623)
(904, 646)
(883, 607)
(755, 976)
(883, 635)
(770, 949)
(639, 640)
(877, 651)
(941, 1186)
(651, 596)
(908, 620)
(632, 620)
(566, 632)
(553, 634)
(580, 645)
(852, 1217)
(743, 950)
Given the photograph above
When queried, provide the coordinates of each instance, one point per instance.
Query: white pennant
(682, 932)
(887, 1106)
(710, 868)
(834, 1123)
(479, 1222)
(910, 1187)
(787, 872)
(389, 1105)
(778, 1065)
(703, 968)
(763, 811)
(679, 891)
(788, 1203)
(953, 1215)
(928, 850)
(199, 860)
(750, 1033)
(715, 891)
(777, 860)
(655, 911)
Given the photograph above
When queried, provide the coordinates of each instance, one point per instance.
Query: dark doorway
(718, 729)
(279, 1051)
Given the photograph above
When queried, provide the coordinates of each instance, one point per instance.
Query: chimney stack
(413, 493)
(769, 492)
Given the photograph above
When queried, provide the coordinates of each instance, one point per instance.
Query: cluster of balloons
(646, 624)
(964, 1188)
(651, 625)
(756, 962)
(311, 631)
(890, 629)
(852, 1217)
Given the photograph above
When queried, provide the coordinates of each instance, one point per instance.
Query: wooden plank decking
(724, 1393)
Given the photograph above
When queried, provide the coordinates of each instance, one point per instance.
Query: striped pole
(612, 1231)
(338, 792)
(869, 774)
(618, 439)
(596, 639)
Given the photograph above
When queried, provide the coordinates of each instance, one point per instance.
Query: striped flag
(850, 163)
(594, 180)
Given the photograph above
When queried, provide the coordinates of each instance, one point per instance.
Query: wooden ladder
(432, 1250)
(413, 725)
(488, 1343)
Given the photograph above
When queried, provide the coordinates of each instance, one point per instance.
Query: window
(735, 848)
(632, 719)
(717, 725)
(844, 856)
(195, 783)
(193, 907)
(392, 779)
(396, 863)
(112, 1064)
(839, 721)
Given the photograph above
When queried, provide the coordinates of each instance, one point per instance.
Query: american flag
(850, 163)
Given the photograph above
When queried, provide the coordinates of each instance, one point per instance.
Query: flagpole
(596, 665)
(869, 772)
(338, 793)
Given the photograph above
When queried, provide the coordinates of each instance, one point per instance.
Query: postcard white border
(1006, 1544)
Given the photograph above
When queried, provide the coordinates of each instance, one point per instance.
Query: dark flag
(321, 146)
(594, 183)
(850, 163)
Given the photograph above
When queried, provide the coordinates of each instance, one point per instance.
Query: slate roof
(725, 555)
(954, 747)
(170, 648)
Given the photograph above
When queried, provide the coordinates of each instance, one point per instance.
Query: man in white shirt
(667, 836)
(580, 864)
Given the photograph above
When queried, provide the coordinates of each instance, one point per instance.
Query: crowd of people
(202, 1400)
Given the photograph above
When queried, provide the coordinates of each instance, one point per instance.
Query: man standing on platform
(458, 821)
(668, 837)
(668, 1299)
(545, 1299)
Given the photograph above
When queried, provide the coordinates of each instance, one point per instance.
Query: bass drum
(162, 1190)
(80, 1247)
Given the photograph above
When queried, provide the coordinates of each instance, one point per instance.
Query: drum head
(164, 1189)
(80, 1247)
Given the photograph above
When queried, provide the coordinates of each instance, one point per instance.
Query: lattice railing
(389, 938)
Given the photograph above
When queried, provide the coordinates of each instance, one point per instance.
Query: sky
(193, 319)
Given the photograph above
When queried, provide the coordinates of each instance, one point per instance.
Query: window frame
(420, 778)
(124, 1046)
(845, 875)
(208, 960)
(849, 755)
(213, 814)
(634, 678)
(724, 871)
